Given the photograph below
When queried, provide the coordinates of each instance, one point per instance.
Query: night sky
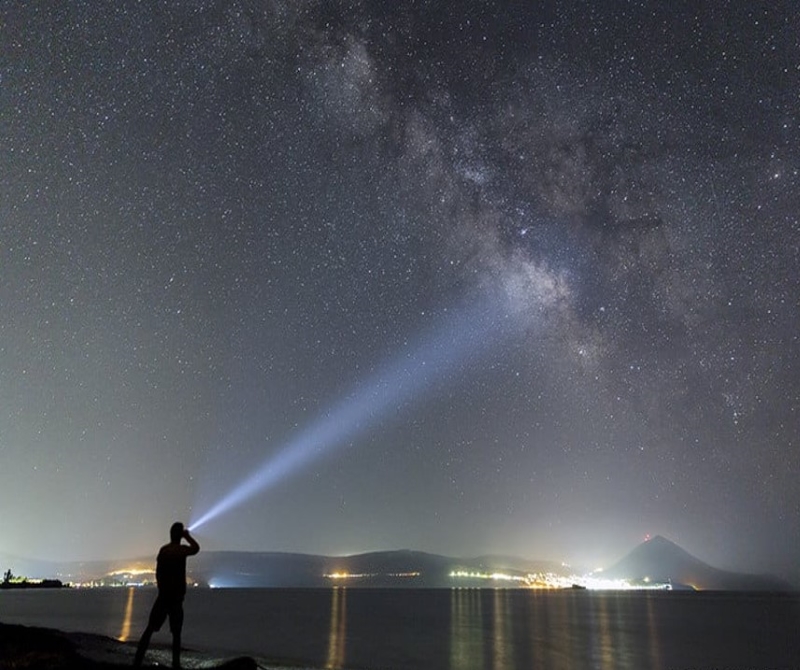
(525, 273)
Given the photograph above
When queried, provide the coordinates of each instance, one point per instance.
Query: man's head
(176, 531)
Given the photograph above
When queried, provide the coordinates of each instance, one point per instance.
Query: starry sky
(532, 266)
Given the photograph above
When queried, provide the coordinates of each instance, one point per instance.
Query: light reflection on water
(503, 637)
(466, 628)
(654, 649)
(459, 629)
(125, 629)
(338, 629)
(488, 629)
(603, 647)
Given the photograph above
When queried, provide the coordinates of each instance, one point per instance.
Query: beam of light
(464, 336)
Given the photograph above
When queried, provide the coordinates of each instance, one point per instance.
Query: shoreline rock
(33, 648)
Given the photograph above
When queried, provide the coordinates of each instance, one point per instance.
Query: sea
(455, 629)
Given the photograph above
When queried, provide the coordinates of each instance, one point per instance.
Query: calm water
(459, 629)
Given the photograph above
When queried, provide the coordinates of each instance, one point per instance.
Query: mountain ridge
(657, 560)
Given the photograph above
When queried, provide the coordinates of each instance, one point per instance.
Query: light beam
(465, 335)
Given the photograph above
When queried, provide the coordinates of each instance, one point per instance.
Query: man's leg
(176, 650)
(176, 626)
(144, 641)
(154, 623)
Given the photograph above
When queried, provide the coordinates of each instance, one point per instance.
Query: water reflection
(466, 629)
(624, 632)
(125, 630)
(600, 637)
(626, 613)
(336, 633)
(504, 629)
(502, 639)
(563, 632)
(652, 627)
(536, 633)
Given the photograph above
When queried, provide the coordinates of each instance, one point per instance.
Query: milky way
(219, 219)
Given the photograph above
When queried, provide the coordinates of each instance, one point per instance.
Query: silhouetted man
(171, 580)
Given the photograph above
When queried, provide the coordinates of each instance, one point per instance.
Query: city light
(550, 580)
(340, 576)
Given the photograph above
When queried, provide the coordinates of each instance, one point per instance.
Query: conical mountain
(660, 560)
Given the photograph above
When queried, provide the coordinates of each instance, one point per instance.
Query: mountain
(660, 560)
(398, 569)
(275, 569)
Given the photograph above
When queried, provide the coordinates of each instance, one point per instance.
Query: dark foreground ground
(46, 649)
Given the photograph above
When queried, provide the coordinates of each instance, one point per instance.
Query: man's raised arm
(193, 547)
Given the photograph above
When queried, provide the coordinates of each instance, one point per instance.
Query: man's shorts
(167, 607)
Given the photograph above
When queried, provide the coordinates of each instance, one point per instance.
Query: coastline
(37, 648)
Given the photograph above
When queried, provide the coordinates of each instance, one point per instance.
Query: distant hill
(275, 569)
(412, 569)
(657, 560)
(397, 569)
(660, 560)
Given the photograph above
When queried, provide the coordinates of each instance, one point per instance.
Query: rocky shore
(29, 648)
